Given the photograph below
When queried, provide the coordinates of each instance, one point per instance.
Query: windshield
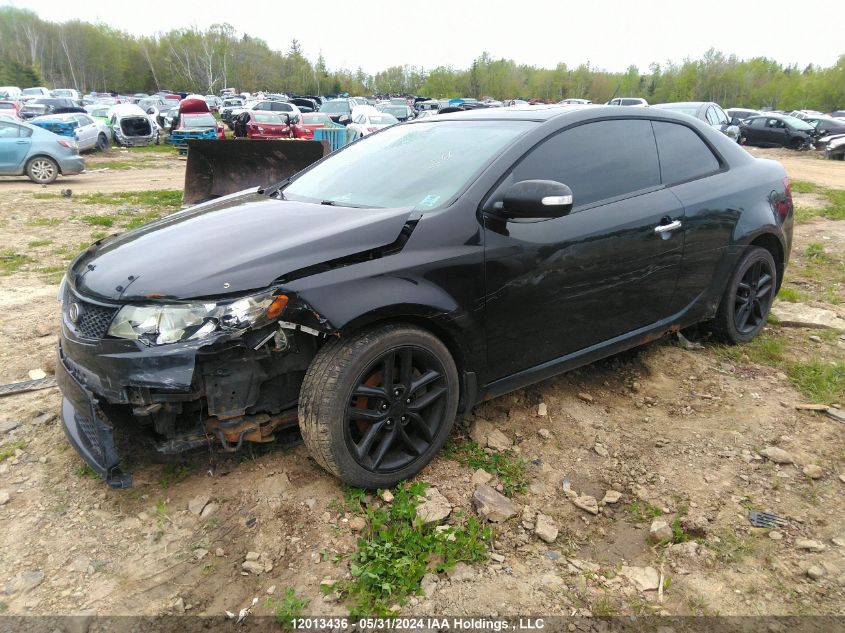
(32, 91)
(685, 109)
(275, 119)
(199, 120)
(797, 124)
(421, 165)
(396, 111)
(335, 107)
(316, 119)
(383, 119)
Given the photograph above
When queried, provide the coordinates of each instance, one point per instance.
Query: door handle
(21, 142)
(666, 228)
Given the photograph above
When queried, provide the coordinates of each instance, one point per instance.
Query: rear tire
(748, 297)
(102, 142)
(375, 408)
(42, 170)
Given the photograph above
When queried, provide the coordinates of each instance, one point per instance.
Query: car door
(557, 286)
(86, 133)
(755, 130)
(776, 133)
(15, 142)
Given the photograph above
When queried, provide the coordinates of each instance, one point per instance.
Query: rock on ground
(660, 531)
(435, 508)
(645, 578)
(811, 545)
(491, 505)
(545, 528)
(611, 496)
(802, 315)
(777, 455)
(198, 503)
(586, 503)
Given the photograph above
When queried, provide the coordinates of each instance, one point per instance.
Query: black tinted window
(683, 155)
(597, 161)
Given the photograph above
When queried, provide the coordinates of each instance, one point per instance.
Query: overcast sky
(375, 34)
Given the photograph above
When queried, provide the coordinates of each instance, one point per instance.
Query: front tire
(748, 297)
(42, 170)
(375, 408)
(102, 142)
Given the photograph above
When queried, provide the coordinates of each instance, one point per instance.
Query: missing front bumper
(87, 429)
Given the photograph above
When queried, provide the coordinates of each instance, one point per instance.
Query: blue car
(39, 154)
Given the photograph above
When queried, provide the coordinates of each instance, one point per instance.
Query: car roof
(521, 112)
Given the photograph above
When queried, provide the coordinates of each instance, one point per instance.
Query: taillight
(782, 202)
(68, 144)
(371, 129)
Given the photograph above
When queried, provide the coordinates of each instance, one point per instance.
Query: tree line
(85, 56)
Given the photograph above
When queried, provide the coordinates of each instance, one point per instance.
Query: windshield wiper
(272, 190)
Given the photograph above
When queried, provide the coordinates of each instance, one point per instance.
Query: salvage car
(37, 153)
(400, 112)
(11, 107)
(268, 125)
(47, 105)
(316, 120)
(368, 122)
(89, 133)
(339, 110)
(194, 121)
(706, 111)
(777, 130)
(370, 300)
(628, 101)
(131, 127)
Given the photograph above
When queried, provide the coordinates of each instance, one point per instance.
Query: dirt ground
(675, 431)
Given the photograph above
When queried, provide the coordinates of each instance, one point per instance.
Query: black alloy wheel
(748, 297)
(375, 407)
(753, 297)
(396, 409)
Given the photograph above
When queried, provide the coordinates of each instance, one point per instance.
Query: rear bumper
(72, 165)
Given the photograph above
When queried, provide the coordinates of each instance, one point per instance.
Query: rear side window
(598, 161)
(683, 155)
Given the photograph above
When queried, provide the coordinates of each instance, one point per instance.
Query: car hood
(231, 245)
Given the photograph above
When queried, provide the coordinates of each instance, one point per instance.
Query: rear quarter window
(683, 154)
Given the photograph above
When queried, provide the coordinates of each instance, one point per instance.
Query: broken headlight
(171, 323)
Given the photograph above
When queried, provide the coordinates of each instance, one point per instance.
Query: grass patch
(7, 450)
(44, 221)
(117, 165)
(679, 534)
(730, 548)
(98, 220)
(509, 470)
(791, 295)
(766, 349)
(84, 470)
(833, 210)
(158, 198)
(172, 474)
(643, 512)
(164, 148)
(10, 261)
(45, 196)
(820, 381)
(396, 550)
(814, 250)
(37, 243)
(803, 186)
(288, 608)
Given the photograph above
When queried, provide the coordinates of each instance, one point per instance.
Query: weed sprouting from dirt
(172, 474)
(84, 470)
(98, 220)
(158, 198)
(643, 512)
(38, 243)
(10, 261)
(288, 608)
(7, 450)
(509, 470)
(396, 550)
(820, 381)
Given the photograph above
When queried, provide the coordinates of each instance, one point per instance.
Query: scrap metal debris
(243, 613)
(27, 385)
(684, 342)
(766, 519)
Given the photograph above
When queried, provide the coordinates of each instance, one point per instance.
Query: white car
(628, 101)
(367, 122)
(11, 93)
(34, 93)
(90, 133)
(266, 105)
(65, 93)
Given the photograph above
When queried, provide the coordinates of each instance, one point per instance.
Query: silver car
(39, 154)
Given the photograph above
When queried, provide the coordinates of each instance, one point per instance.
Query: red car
(256, 124)
(11, 107)
(315, 120)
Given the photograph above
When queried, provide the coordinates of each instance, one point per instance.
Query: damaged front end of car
(186, 374)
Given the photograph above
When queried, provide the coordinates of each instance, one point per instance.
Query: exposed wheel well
(773, 245)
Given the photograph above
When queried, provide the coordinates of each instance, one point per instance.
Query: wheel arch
(771, 243)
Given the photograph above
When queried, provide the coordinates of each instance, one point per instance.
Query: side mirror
(536, 199)
(735, 121)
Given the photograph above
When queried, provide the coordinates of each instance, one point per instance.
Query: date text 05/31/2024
(411, 624)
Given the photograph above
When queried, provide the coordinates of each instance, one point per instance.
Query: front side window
(421, 166)
(598, 161)
(10, 130)
(683, 155)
